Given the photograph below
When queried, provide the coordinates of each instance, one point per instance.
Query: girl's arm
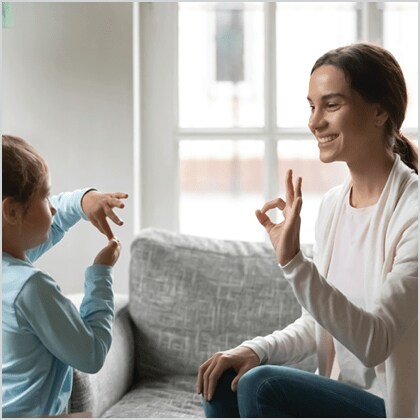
(80, 340)
(87, 204)
(69, 212)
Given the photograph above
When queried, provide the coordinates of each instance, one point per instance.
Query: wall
(159, 151)
(67, 89)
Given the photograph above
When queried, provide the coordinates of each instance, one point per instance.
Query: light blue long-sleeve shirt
(44, 335)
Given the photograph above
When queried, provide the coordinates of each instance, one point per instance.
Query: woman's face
(343, 123)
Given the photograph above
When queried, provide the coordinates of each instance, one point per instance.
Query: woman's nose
(53, 210)
(316, 121)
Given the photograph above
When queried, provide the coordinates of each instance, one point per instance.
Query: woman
(359, 295)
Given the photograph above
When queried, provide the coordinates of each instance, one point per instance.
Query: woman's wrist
(286, 258)
(285, 261)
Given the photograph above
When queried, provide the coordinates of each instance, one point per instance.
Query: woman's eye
(332, 106)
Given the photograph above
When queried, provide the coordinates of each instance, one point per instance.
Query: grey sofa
(189, 297)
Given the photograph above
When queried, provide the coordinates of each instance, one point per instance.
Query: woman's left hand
(98, 206)
(285, 235)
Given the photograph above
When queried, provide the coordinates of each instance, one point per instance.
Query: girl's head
(376, 76)
(24, 170)
(27, 212)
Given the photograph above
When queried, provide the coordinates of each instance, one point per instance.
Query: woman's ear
(381, 116)
(11, 211)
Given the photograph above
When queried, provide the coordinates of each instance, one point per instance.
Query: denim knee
(254, 377)
(250, 386)
(224, 401)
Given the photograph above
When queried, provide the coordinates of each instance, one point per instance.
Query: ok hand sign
(99, 207)
(285, 235)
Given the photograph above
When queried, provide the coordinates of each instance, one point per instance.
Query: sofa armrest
(97, 392)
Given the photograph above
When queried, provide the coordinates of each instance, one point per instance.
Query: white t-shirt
(347, 273)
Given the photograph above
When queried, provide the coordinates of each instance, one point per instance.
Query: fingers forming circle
(278, 203)
(113, 216)
(104, 228)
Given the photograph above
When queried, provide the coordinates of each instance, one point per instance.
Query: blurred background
(196, 109)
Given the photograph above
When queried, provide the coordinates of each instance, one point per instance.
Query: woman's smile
(326, 139)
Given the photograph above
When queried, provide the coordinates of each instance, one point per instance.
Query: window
(400, 30)
(221, 182)
(238, 111)
(221, 64)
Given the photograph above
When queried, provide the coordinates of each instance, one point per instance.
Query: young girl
(43, 334)
(359, 294)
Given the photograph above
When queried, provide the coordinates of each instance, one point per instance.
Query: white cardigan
(384, 335)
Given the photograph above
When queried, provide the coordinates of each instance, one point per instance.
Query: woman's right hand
(110, 254)
(240, 359)
(284, 235)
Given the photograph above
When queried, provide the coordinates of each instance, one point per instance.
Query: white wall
(67, 89)
(158, 102)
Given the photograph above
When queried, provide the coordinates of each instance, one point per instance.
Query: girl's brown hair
(23, 170)
(375, 74)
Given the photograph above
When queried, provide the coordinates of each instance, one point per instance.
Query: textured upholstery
(190, 297)
(169, 396)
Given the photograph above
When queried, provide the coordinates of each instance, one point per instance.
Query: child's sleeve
(80, 340)
(69, 212)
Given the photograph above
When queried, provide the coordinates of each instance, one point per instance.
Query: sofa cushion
(192, 296)
(164, 397)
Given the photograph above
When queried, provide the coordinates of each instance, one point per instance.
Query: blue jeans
(278, 391)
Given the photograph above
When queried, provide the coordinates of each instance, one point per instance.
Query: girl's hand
(241, 359)
(110, 254)
(285, 235)
(98, 206)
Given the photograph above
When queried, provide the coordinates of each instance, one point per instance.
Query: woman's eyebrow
(330, 96)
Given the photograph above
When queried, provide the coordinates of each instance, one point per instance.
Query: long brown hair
(375, 74)
(23, 169)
